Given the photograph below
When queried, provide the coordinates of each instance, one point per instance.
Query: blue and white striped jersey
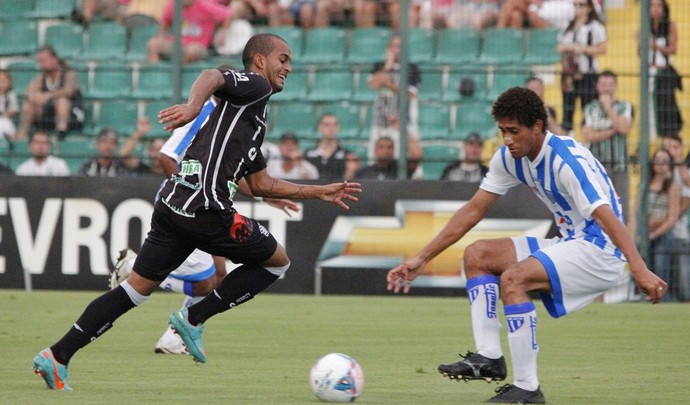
(567, 179)
(182, 137)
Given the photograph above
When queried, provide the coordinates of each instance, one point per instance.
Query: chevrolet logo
(383, 242)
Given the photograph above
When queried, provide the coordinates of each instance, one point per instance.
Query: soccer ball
(336, 377)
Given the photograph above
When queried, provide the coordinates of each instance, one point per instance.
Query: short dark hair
(522, 105)
(261, 44)
(609, 73)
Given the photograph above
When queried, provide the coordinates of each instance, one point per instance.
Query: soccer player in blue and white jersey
(569, 271)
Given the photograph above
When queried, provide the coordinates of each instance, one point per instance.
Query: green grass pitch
(261, 352)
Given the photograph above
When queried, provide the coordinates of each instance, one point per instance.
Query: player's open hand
(177, 116)
(283, 204)
(339, 192)
(402, 275)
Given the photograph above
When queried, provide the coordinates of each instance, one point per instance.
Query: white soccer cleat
(122, 268)
(170, 343)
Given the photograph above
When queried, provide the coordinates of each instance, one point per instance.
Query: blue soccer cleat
(53, 373)
(190, 334)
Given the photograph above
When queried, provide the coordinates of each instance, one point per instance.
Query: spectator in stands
(680, 279)
(42, 163)
(9, 106)
(104, 9)
(52, 100)
(535, 14)
(536, 84)
(141, 12)
(666, 119)
(200, 19)
(369, 13)
(291, 165)
(582, 41)
(385, 166)
(663, 206)
(332, 160)
(135, 165)
(470, 168)
(608, 121)
(475, 14)
(384, 79)
(301, 13)
(107, 163)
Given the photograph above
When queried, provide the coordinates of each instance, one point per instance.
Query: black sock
(97, 318)
(239, 286)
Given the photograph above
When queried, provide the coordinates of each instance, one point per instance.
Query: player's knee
(278, 270)
(475, 258)
(512, 282)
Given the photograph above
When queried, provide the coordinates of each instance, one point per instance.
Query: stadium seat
(138, 39)
(502, 46)
(457, 46)
(358, 148)
(349, 117)
(118, 114)
(294, 36)
(364, 93)
(20, 37)
(503, 79)
(22, 73)
(297, 117)
(105, 41)
(431, 88)
(66, 39)
(76, 150)
(154, 82)
(332, 85)
(296, 87)
(367, 45)
(476, 74)
(52, 9)
(111, 81)
(434, 121)
(421, 46)
(324, 45)
(541, 47)
(474, 117)
(151, 110)
(436, 158)
(13, 10)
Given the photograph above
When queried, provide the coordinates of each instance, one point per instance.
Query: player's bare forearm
(208, 82)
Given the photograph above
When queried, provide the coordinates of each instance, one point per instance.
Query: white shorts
(579, 271)
(199, 266)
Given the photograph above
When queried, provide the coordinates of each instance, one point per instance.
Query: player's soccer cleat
(510, 394)
(170, 343)
(53, 373)
(190, 334)
(122, 268)
(474, 366)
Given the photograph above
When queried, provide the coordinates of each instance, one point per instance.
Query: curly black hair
(522, 105)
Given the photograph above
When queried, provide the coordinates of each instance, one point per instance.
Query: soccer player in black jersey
(195, 209)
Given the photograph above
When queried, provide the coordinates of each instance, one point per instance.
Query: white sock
(521, 320)
(137, 299)
(189, 301)
(483, 294)
(173, 284)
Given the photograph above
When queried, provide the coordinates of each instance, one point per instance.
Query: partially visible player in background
(201, 272)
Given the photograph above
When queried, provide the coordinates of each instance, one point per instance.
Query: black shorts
(173, 237)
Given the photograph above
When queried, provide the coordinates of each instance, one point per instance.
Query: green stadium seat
(151, 110)
(118, 114)
(434, 121)
(22, 73)
(478, 76)
(138, 39)
(66, 39)
(297, 117)
(363, 93)
(105, 41)
(349, 116)
(474, 117)
(111, 81)
(154, 82)
(332, 86)
(367, 45)
(52, 9)
(76, 150)
(323, 45)
(432, 85)
(458, 46)
(503, 79)
(422, 44)
(541, 47)
(23, 35)
(296, 87)
(13, 10)
(294, 36)
(502, 46)
(436, 158)
(358, 148)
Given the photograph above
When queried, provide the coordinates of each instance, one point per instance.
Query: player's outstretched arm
(648, 282)
(263, 185)
(208, 82)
